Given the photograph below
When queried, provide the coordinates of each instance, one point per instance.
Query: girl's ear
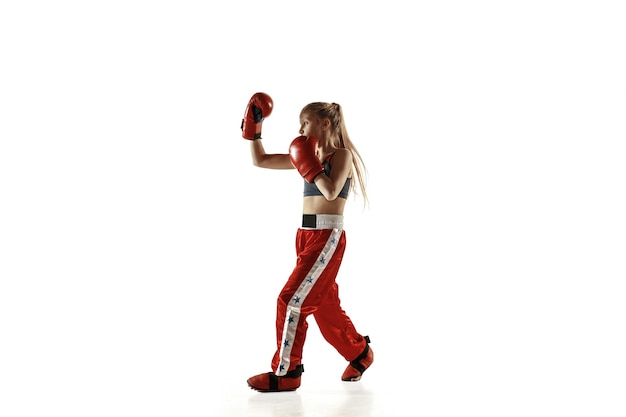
(325, 124)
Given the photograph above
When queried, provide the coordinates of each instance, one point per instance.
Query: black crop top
(310, 189)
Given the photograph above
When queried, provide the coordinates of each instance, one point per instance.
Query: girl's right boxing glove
(303, 157)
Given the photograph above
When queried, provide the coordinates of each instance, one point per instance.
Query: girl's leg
(320, 252)
(336, 326)
(319, 257)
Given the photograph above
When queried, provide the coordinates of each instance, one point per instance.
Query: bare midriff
(320, 205)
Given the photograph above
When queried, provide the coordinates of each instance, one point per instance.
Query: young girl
(329, 164)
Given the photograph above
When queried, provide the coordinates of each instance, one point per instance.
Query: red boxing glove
(303, 157)
(259, 107)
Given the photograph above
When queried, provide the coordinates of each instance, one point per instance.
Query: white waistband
(322, 221)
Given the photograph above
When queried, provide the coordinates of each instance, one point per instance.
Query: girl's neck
(325, 145)
(325, 149)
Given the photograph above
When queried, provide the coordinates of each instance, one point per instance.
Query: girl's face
(310, 126)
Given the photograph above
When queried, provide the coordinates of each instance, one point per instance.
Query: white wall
(142, 252)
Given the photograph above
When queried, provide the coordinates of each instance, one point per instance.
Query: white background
(141, 252)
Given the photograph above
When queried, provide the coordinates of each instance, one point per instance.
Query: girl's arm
(331, 186)
(264, 160)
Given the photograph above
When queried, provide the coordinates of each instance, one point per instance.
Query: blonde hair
(334, 113)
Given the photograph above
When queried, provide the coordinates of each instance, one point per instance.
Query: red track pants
(311, 289)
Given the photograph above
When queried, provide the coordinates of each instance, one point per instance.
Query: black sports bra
(310, 189)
